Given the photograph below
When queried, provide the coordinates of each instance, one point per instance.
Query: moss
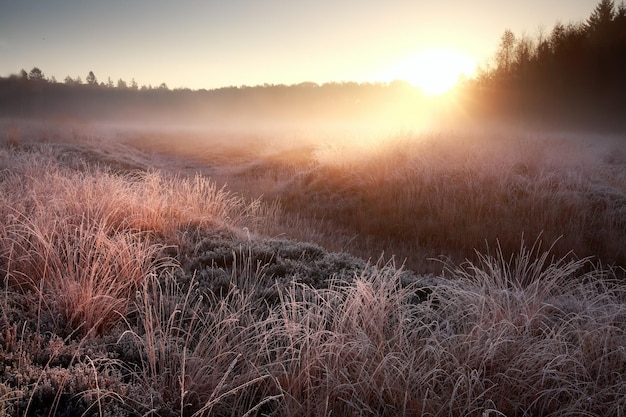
(215, 260)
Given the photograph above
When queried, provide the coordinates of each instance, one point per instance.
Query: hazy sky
(208, 44)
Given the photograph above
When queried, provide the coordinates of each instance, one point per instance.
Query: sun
(435, 71)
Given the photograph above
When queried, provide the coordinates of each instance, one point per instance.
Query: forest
(571, 77)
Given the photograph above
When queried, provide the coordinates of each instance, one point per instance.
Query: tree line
(27, 95)
(575, 75)
(37, 75)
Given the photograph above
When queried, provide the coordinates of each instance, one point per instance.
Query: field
(154, 272)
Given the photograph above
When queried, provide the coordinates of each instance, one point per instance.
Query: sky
(212, 44)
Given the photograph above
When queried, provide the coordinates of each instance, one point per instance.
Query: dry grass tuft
(83, 274)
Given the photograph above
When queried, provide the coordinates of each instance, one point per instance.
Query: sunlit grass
(145, 292)
(451, 194)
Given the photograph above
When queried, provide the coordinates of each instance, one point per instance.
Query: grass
(422, 196)
(136, 292)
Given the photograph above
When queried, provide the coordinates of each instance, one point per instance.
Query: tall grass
(84, 275)
(111, 305)
(195, 358)
(77, 241)
(421, 196)
(477, 347)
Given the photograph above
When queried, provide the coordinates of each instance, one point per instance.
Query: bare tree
(506, 50)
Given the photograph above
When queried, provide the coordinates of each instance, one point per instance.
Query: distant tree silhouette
(36, 75)
(602, 16)
(110, 83)
(572, 75)
(91, 79)
(524, 52)
(504, 56)
(576, 74)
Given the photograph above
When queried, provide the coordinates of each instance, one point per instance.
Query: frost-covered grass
(420, 196)
(137, 292)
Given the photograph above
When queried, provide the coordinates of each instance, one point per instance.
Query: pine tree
(602, 16)
(36, 74)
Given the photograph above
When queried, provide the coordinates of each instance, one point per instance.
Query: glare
(435, 71)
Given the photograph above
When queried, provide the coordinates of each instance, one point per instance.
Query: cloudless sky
(209, 44)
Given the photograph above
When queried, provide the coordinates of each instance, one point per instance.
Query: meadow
(152, 272)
